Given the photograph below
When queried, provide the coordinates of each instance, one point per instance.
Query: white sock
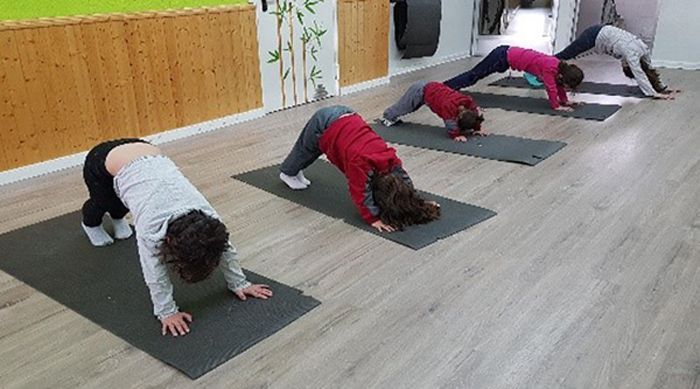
(97, 235)
(304, 180)
(122, 230)
(292, 181)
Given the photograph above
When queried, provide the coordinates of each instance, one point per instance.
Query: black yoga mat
(329, 195)
(594, 88)
(105, 285)
(588, 111)
(498, 147)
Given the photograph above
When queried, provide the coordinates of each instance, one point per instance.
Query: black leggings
(100, 184)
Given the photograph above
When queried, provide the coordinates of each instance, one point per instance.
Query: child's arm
(361, 193)
(159, 286)
(553, 92)
(236, 280)
(634, 63)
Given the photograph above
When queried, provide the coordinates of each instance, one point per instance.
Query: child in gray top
(174, 223)
(623, 45)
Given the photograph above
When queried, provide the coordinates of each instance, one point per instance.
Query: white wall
(455, 38)
(565, 12)
(677, 43)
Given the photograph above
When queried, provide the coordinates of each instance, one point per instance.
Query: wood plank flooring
(588, 277)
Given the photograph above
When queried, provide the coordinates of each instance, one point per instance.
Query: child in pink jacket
(556, 75)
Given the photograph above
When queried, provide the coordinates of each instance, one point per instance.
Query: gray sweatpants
(306, 150)
(409, 102)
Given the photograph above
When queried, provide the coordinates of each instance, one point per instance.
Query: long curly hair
(652, 74)
(193, 245)
(399, 203)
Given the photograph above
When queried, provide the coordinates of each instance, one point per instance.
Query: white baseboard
(69, 161)
(427, 63)
(676, 64)
(363, 86)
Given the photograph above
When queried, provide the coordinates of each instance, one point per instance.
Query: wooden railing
(68, 83)
(363, 40)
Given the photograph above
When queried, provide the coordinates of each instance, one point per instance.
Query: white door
(297, 46)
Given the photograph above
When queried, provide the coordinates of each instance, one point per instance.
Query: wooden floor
(588, 277)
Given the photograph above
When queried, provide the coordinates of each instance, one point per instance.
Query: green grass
(33, 9)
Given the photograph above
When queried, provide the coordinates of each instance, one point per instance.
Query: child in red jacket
(461, 115)
(556, 75)
(379, 187)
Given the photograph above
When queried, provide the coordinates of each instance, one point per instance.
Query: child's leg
(306, 150)
(409, 102)
(92, 224)
(585, 42)
(495, 62)
(100, 185)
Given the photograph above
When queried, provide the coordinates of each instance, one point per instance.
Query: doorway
(524, 23)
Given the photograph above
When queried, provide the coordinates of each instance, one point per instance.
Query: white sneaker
(97, 235)
(292, 182)
(304, 180)
(386, 122)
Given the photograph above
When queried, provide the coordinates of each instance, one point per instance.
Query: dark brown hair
(399, 203)
(569, 75)
(652, 74)
(468, 120)
(193, 245)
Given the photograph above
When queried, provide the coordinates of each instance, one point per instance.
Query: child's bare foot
(122, 230)
(97, 235)
(293, 182)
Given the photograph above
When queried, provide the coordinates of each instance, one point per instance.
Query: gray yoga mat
(498, 147)
(594, 88)
(588, 111)
(105, 285)
(329, 195)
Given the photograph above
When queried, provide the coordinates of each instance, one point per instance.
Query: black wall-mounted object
(417, 26)
(264, 5)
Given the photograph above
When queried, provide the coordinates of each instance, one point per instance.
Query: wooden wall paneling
(42, 120)
(213, 40)
(68, 83)
(21, 146)
(251, 61)
(98, 80)
(175, 68)
(8, 123)
(81, 81)
(232, 48)
(363, 28)
(137, 36)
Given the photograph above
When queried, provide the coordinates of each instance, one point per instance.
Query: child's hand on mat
(381, 227)
(663, 97)
(460, 138)
(176, 324)
(564, 108)
(256, 290)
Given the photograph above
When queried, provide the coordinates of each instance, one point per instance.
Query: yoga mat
(498, 147)
(329, 195)
(105, 285)
(588, 111)
(594, 88)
